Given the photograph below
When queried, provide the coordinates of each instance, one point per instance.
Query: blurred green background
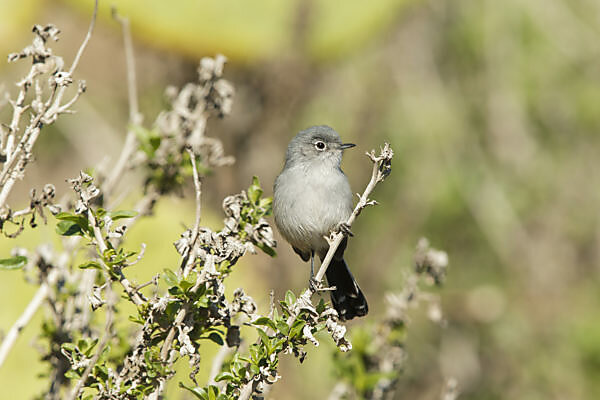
(493, 109)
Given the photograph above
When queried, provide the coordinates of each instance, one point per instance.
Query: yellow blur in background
(492, 108)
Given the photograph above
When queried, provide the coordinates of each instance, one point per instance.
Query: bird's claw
(344, 228)
(316, 286)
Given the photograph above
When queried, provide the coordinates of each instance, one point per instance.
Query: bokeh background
(492, 108)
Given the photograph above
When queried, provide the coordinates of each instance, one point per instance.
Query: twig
(164, 351)
(86, 40)
(24, 319)
(26, 143)
(52, 111)
(187, 260)
(101, 345)
(134, 114)
(133, 294)
(217, 363)
(153, 281)
(198, 187)
(135, 118)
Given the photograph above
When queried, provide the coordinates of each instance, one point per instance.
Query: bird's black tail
(347, 298)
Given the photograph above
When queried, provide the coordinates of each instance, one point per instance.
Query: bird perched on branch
(312, 197)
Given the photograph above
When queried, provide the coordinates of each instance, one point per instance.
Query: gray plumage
(312, 196)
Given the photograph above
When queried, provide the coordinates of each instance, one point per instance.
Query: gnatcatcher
(311, 198)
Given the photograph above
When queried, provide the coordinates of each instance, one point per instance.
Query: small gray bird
(312, 197)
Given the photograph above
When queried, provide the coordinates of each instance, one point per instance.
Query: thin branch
(86, 40)
(28, 140)
(186, 263)
(65, 108)
(135, 118)
(217, 363)
(24, 319)
(337, 237)
(133, 294)
(107, 336)
(56, 104)
(187, 260)
(164, 351)
(134, 114)
(198, 187)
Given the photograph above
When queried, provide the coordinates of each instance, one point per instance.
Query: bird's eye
(319, 145)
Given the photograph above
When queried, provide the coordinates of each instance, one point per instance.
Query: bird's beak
(345, 146)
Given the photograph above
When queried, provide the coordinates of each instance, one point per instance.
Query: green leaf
(202, 302)
(16, 262)
(283, 327)
(185, 285)
(149, 140)
(137, 319)
(267, 249)
(278, 345)
(175, 291)
(224, 376)
(86, 346)
(213, 392)
(65, 216)
(254, 369)
(254, 191)
(265, 339)
(321, 306)
(215, 337)
(90, 264)
(265, 322)
(255, 353)
(80, 220)
(199, 392)
(170, 278)
(72, 374)
(290, 298)
(115, 215)
(70, 347)
(266, 202)
(68, 228)
(297, 327)
(263, 335)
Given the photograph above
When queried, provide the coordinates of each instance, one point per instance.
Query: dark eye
(320, 145)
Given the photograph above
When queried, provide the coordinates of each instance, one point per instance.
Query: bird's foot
(344, 228)
(316, 286)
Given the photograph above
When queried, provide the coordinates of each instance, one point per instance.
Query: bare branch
(135, 118)
(21, 323)
(217, 363)
(134, 114)
(86, 40)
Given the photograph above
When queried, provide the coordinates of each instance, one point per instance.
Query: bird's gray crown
(315, 143)
(320, 132)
